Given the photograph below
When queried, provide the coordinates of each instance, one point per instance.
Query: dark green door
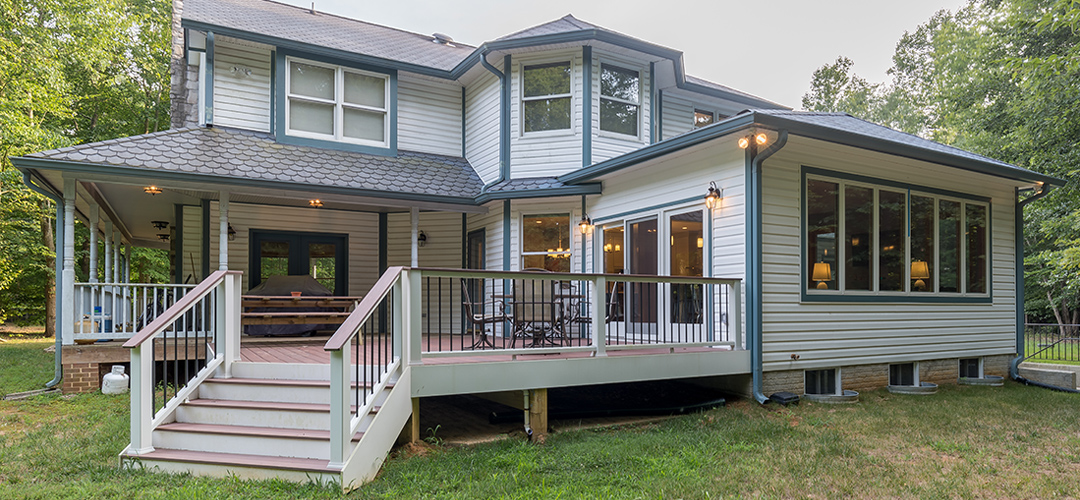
(319, 255)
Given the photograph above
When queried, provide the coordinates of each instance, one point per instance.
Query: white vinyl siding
(241, 85)
(841, 334)
(606, 145)
(429, 115)
(442, 249)
(362, 229)
(482, 126)
(548, 153)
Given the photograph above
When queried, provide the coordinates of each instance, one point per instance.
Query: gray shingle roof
(564, 24)
(255, 156)
(706, 83)
(300, 25)
(843, 122)
(526, 184)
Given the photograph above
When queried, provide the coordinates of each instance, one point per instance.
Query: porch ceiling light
(585, 224)
(316, 203)
(920, 271)
(159, 224)
(822, 274)
(163, 236)
(712, 199)
(152, 190)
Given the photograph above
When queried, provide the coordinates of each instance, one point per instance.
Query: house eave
(576, 190)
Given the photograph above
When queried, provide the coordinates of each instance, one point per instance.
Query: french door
(319, 255)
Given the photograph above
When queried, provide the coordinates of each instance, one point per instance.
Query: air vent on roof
(442, 39)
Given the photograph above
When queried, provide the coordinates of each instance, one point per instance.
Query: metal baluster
(440, 329)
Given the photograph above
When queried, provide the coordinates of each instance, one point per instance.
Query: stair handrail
(226, 335)
(342, 423)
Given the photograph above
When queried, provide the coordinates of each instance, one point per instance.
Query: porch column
(67, 314)
(223, 231)
(106, 254)
(127, 263)
(414, 214)
(95, 217)
(117, 266)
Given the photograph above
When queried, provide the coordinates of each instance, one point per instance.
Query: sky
(767, 48)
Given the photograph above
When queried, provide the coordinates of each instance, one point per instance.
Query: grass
(964, 442)
(24, 364)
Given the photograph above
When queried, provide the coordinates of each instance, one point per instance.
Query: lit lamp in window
(822, 274)
(920, 271)
(712, 199)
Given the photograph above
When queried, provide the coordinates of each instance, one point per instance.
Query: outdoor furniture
(537, 312)
(491, 312)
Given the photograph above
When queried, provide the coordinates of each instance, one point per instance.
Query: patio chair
(492, 312)
(534, 312)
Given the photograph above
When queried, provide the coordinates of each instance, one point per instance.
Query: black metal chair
(491, 312)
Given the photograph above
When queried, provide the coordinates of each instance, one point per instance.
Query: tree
(71, 71)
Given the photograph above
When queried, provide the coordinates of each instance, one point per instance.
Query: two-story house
(662, 217)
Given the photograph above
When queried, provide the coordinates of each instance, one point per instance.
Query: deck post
(736, 313)
(538, 414)
(414, 222)
(232, 321)
(414, 319)
(599, 326)
(95, 217)
(67, 313)
(142, 405)
(340, 421)
(397, 322)
(223, 231)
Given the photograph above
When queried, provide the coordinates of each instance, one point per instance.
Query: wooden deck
(309, 350)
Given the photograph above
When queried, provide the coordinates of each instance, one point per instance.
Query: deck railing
(1051, 342)
(119, 310)
(188, 342)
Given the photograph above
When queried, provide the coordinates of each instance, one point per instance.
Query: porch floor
(309, 350)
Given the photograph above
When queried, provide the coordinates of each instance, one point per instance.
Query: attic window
(336, 103)
(703, 118)
(620, 100)
(546, 97)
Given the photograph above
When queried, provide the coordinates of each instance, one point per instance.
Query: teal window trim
(587, 105)
(653, 104)
(208, 85)
(178, 223)
(205, 239)
(906, 297)
(273, 90)
(280, 97)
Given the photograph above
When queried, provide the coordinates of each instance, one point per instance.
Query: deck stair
(258, 425)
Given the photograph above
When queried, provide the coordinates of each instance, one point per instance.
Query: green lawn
(964, 442)
(24, 364)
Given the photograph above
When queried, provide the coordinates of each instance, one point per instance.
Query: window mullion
(906, 268)
(841, 239)
(874, 244)
(936, 254)
(962, 248)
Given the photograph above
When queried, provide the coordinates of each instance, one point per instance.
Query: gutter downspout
(1014, 367)
(58, 296)
(504, 119)
(754, 275)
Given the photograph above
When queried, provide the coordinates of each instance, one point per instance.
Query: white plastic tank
(115, 382)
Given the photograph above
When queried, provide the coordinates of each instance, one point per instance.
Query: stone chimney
(184, 82)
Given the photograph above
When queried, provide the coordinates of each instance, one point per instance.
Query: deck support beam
(538, 414)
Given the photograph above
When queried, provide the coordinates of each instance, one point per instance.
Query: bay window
(546, 97)
(336, 103)
(620, 100)
(877, 239)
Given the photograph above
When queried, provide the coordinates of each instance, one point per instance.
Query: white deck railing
(120, 310)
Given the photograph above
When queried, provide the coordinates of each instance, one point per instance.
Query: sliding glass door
(279, 253)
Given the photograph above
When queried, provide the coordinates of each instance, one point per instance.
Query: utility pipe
(58, 370)
(528, 427)
(753, 252)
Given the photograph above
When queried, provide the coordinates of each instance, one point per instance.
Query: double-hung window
(546, 97)
(336, 103)
(864, 238)
(620, 100)
(545, 242)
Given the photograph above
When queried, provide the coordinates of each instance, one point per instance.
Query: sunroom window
(869, 239)
(336, 103)
(545, 242)
(546, 97)
(620, 100)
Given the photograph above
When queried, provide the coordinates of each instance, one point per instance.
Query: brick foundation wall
(81, 377)
(876, 376)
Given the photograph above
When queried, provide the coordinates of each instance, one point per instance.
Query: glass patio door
(641, 298)
(321, 256)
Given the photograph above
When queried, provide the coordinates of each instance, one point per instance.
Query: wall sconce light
(232, 233)
(585, 224)
(822, 274)
(744, 142)
(712, 199)
(159, 224)
(701, 242)
(761, 139)
(421, 239)
(316, 203)
(163, 236)
(920, 271)
(152, 190)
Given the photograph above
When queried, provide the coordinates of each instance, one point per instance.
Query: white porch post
(95, 217)
(106, 256)
(126, 277)
(117, 266)
(67, 314)
(415, 222)
(223, 231)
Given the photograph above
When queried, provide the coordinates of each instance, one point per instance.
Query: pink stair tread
(244, 430)
(226, 459)
(293, 383)
(260, 405)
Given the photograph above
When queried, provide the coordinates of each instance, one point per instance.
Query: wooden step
(261, 405)
(276, 382)
(245, 430)
(235, 459)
